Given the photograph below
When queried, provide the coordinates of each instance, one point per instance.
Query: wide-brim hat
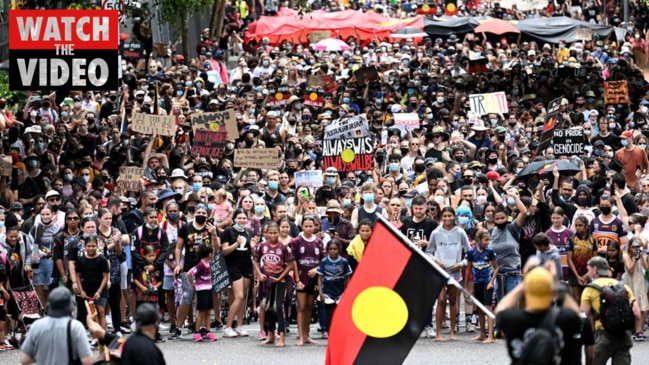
(440, 130)
(178, 174)
(168, 193)
(479, 126)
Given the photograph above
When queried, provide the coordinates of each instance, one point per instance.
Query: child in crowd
(200, 277)
(481, 260)
(334, 272)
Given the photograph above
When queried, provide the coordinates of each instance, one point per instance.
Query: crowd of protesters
(452, 185)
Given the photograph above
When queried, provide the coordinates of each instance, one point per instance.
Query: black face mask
(605, 210)
(191, 209)
(291, 170)
(492, 161)
(420, 168)
(124, 210)
(200, 219)
(582, 201)
(249, 142)
(501, 225)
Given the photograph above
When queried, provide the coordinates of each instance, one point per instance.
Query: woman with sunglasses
(67, 237)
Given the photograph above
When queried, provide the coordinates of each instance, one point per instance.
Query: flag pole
(449, 279)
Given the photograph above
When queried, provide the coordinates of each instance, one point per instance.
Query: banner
(549, 125)
(314, 97)
(568, 142)
(129, 178)
(309, 178)
(616, 92)
(347, 128)
(524, 5)
(408, 120)
(132, 50)
(482, 104)
(63, 50)
(211, 131)
(220, 275)
(349, 154)
(257, 158)
(279, 97)
(5, 165)
(164, 125)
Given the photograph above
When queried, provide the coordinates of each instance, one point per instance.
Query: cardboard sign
(584, 34)
(314, 97)
(211, 131)
(408, 120)
(317, 36)
(315, 81)
(349, 154)
(482, 104)
(309, 178)
(257, 158)
(279, 97)
(220, 275)
(616, 92)
(132, 50)
(164, 125)
(478, 65)
(63, 50)
(347, 128)
(568, 142)
(5, 166)
(129, 178)
(329, 83)
(365, 75)
(222, 119)
(549, 125)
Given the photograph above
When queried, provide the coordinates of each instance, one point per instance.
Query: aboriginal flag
(386, 304)
(450, 7)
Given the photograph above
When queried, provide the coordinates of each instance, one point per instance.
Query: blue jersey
(482, 270)
(333, 275)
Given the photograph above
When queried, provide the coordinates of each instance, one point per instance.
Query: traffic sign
(115, 5)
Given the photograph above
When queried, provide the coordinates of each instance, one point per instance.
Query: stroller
(29, 309)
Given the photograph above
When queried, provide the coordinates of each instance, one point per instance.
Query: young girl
(446, 245)
(222, 211)
(482, 263)
(333, 275)
(635, 265)
(109, 240)
(579, 249)
(272, 263)
(92, 272)
(559, 235)
(200, 277)
(357, 245)
(43, 234)
(614, 258)
(308, 250)
(284, 231)
(147, 282)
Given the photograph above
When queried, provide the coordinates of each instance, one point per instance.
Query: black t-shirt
(141, 350)
(92, 271)
(573, 346)
(518, 325)
(241, 256)
(418, 231)
(192, 239)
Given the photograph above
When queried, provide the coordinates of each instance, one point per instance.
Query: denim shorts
(43, 274)
(188, 291)
(124, 275)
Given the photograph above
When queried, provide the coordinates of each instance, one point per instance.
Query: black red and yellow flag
(386, 304)
(426, 9)
(549, 125)
(450, 7)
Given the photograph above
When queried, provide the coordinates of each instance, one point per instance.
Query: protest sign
(315, 81)
(279, 97)
(584, 34)
(549, 125)
(568, 142)
(309, 178)
(5, 166)
(314, 97)
(129, 178)
(348, 154)
(317, 36)
(211, 131)
(222, 119)
(366, 74)
(63, 50)
(164, 125)
(524, 5)
(132, 50)
(616, 92)
(478, 65)
(220, 275)
(330, 84)
(408, 120)
(482, 104)
(347, 128)
(257, 158)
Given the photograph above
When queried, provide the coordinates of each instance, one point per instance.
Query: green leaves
(175, 12)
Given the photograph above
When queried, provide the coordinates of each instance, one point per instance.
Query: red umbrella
(496, 26)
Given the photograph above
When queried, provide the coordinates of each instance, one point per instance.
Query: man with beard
(86, 139)
(419, 226)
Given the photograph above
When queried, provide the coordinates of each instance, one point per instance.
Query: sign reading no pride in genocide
(567, 142)
(350, 154)
(211, 131)
(63, 50)
(257, 158)
(129, 178)
(164, 125)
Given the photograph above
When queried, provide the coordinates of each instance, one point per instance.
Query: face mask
(32, 114)
(481, 199)
(611, 125)
(265, 63)
(624, 142)
(200, 219)
(68, 177)
(493, 121)
(394, 167)
(439, 199)
(191, 209)
(408, 202)
(199, 85)
(260, 209)
(582, 201)
(172, 216)
(345, 100)
(148, 226)
(238, 227)
(368, 198)
(457, 175)
(86, 178)
(2, 224)
(462, 220)
(420, 168)
(492, 161)
(501, 225)
(429, 116)
(609, 154)
(605, 210)
(180, 191)
(379, 101)
(63, 114)
(196, 187)
(643, 145)
(347, 202)
(587, 132)
(273, 185)
(440, 99)
(511, 201)
(330, 180)
(518, 170)
(342, 114)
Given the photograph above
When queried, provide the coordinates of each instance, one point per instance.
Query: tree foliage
(175, 12)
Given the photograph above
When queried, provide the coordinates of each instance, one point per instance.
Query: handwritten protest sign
(309, 178)
(133, 50)
(220, 275)
(256, 158)
(349, 154)
(408, 120)
(164, 125)
(616, 92)
(524, 5)
(129, 178)
(317, 36)
(315, 81)
(347, 128)
(5, 166)
(223, 119)
(584, 34)
(568, 142)
(211, 131)
(482, 104)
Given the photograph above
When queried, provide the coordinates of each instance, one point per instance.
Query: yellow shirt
(563, 55)
(590, 296)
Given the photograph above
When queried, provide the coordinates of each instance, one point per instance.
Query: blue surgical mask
(379, 100)
(394, 167)
(199, 85)
(180, 191)
(408, 202)
(429, 116)
(462, 219)
(643, 145)
(345, 100)
(2, 224)
(179, 93)
(211, 206)
(273, 185)
(511, 201)
(259, 209)
(173, 216)
(68, 177)
(368, 197)
(148, 226)
(238, 227)
(328, 180)
(411, 91)
(64, 114)
(197, 186)
(624, 142)
(155, 192)
(347, 202)
(518, 170)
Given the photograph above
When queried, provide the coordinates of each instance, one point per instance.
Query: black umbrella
(542, 167)
(409, 32)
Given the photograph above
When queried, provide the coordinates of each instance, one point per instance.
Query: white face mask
(439, 199)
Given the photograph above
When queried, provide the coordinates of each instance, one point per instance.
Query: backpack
(543, 347)
(615, 311)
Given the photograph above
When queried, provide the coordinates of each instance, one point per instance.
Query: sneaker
(163, 327)
(430, 332)
(125, 328)
(229, 332)
(119, 334)
(241, 332)
(172, 328)
(262, 336)
(175, 335)
(470, 327)
(639, 336)
(209, 336)
(216, 324)
(198, 337)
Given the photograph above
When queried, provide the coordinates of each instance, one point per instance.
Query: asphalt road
(249, 351)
